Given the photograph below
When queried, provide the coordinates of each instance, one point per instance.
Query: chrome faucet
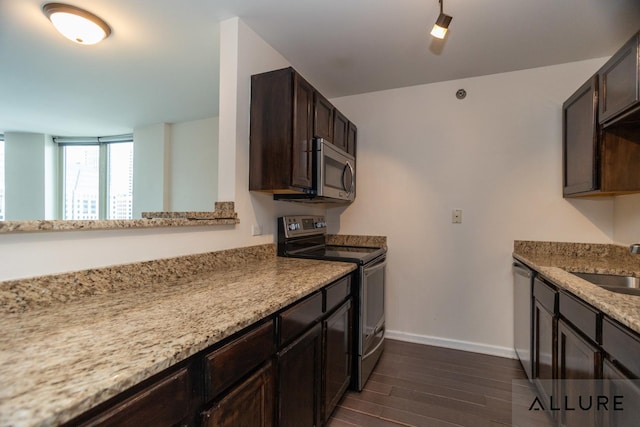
(635, 248)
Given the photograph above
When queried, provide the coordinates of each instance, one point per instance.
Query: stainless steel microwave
(335, 172)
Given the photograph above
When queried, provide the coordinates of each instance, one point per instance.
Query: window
(97, 177)
(120, 181)
(1, 177)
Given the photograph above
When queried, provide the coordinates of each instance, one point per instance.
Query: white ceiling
(160, 64)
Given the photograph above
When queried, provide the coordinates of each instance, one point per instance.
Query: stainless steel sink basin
(621, 284)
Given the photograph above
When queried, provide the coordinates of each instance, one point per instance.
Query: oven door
(335, 173)
(372, 334)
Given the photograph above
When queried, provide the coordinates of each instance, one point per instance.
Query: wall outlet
(256, 230)
(456, 216)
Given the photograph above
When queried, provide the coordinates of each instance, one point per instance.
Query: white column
(30, 176)
(151, 169)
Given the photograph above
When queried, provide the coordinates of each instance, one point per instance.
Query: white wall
(497, 156)
(194, 165)
(151, 170)
(627, 219)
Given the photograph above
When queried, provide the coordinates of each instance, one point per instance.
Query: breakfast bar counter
(72, 341)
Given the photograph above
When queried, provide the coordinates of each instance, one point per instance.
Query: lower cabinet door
(248, 404)
(299, 381)
(544, 350)
(626, 391)
(337, 362)
(578, 367)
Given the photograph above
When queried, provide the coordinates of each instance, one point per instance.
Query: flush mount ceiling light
(76, 24)
(442, 24)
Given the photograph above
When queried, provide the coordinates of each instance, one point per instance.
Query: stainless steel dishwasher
(522, 314)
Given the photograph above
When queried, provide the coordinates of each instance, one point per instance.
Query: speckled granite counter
(555, 260)
(350, 240)
(223, 214)
(108, 329)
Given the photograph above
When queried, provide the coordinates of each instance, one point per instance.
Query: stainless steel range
(304, 237)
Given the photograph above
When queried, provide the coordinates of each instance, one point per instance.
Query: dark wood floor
(419, 385)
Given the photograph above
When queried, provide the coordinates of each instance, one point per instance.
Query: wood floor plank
(446, 386)
(363, 419)
(474, 368)
(425, 409)
(422, 385)
(442, 353)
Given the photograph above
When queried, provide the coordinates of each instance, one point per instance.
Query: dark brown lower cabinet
(543, 349)
(337, 360)
(578, 369)
(248, 404)
(544, 337)
(626, 388)
(299, 380)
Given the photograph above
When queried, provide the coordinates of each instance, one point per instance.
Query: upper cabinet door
(322, 117)
(352, 139)
(619, 81)
(340, 130)
(580, 140)
(301, 173)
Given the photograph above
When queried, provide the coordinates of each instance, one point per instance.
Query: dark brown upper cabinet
(322, 117)
(352, 137)
(340, 130)
(580, 141)
(620, 84)
(286, 114)
(601, 130)
(281, 132)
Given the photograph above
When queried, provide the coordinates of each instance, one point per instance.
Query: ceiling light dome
(76, 24)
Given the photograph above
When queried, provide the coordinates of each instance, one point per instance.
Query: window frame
(104, 160)
(3, 180)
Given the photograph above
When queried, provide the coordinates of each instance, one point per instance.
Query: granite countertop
(72, 352)
(555, 261)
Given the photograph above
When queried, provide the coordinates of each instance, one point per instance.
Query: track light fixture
(76, 24)
(442, 24)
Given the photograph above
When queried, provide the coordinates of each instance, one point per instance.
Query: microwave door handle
(348, 187)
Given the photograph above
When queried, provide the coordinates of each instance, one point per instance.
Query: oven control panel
(303, 225)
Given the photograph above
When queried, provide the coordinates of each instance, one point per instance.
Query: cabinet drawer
(298, 318)
(228, 364)
(337, 293)
(165, 403)
(622, 345)
(580, 315)
(545, 295)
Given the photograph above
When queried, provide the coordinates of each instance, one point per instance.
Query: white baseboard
(454, 344)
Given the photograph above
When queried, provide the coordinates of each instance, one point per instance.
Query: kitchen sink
(621, 284)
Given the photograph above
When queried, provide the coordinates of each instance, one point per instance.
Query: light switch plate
(256, 230)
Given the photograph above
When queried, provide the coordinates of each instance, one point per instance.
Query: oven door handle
(378, 330)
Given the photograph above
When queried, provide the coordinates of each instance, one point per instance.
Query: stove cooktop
(303, 236)
(358, 254)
